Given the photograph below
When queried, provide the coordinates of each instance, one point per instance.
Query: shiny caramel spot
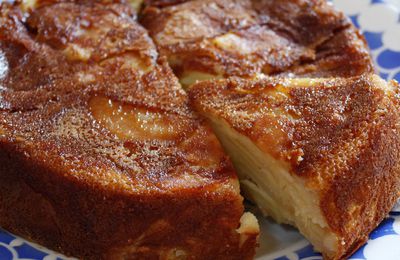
(233, 43)
(191, 77)
(75, 52)
(129, 122)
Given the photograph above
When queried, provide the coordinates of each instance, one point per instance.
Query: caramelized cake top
(83, 92)
(244, 38)
(304, 122)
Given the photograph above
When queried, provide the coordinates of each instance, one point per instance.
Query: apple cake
(103, 157)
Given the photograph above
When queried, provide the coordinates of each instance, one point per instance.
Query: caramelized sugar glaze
(94, 123)
(100, 156)
(221, 38)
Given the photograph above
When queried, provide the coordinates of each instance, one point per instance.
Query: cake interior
(279, 194)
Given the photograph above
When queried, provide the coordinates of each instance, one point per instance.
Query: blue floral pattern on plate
(379, 21)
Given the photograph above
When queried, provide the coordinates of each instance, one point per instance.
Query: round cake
(125, 126)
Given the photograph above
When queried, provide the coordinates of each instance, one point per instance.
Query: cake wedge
(319, 154)
(212, 39)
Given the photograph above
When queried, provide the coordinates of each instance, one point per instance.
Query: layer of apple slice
(129, 122)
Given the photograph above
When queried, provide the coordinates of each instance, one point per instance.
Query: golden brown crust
(345, 54)
(363, 194)
(244, 38)
(106, 30)
(340, 135)
(262, 51)
(84, 190)
(78, 218)
(196, 20)
(309, 22)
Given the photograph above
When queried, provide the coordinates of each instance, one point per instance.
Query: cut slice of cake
(320, 154)
(214, 39)
(100, 155)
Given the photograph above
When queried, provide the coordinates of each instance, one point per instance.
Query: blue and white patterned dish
(379, 21)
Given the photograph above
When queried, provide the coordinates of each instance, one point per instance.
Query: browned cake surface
(100, 156)
(162, 3)
(341, 136)
(243, 38)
